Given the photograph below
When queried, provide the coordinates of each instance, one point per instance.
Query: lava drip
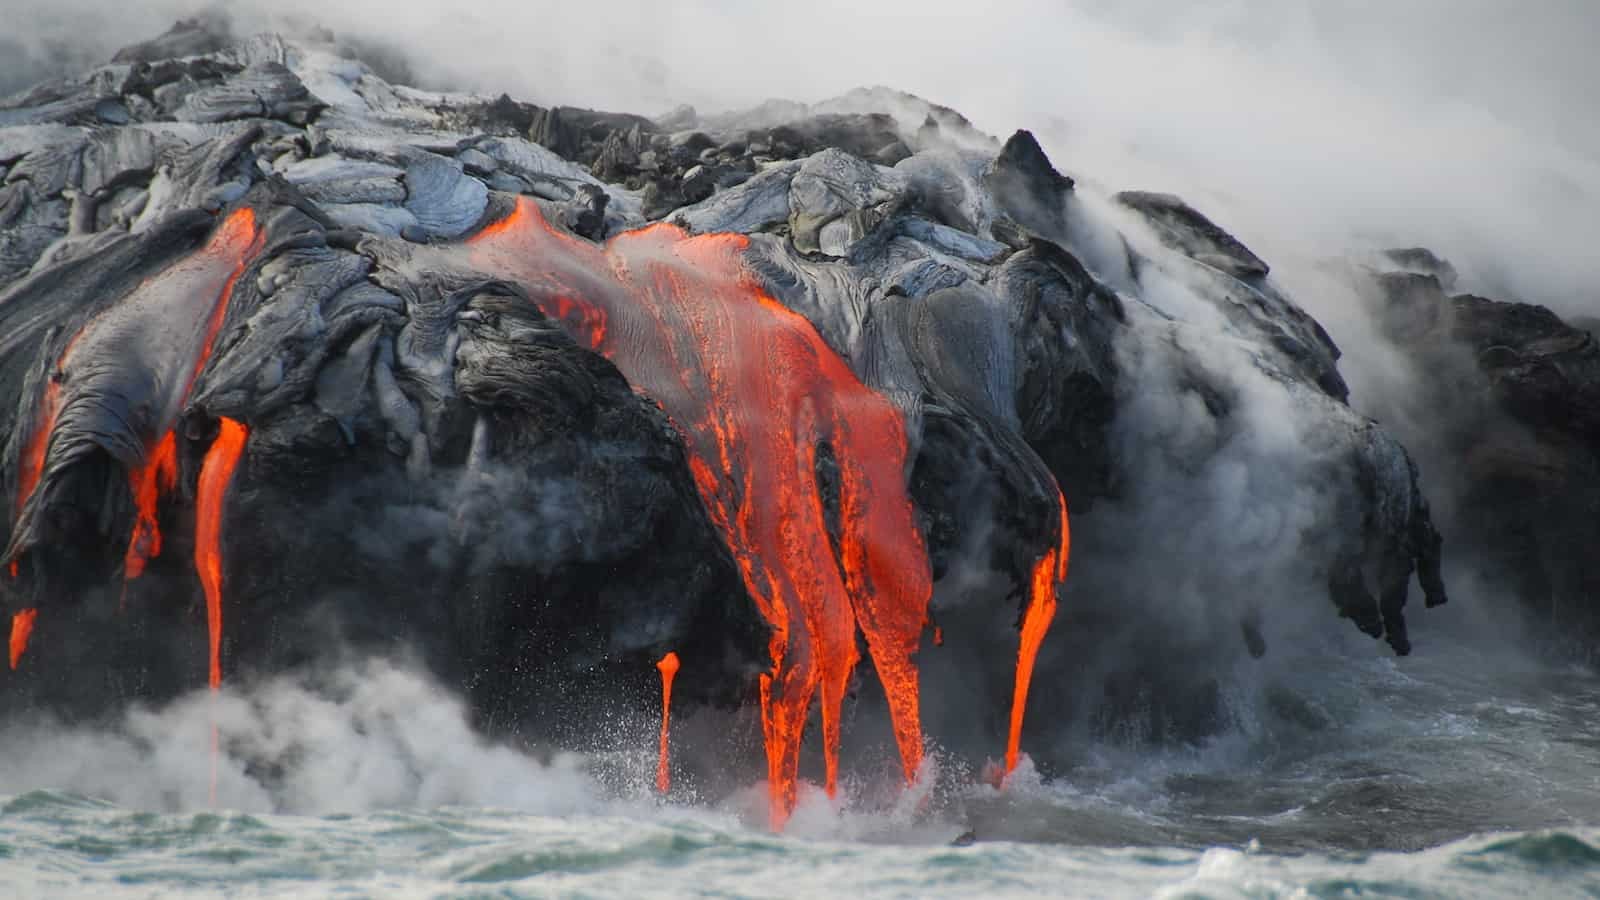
(216, 474)
(668, 666)
(1048, 574)
(21, 630)
(149, 483)
(755, 392)
(208, 275)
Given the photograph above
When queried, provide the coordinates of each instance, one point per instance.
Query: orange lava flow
(755, 392)
(21, 630)
(1048, 573)
(158, 476)
(31, 465)
(668, 666)
(233, 244)
(33, 453)
(216, 473)
(238, 239)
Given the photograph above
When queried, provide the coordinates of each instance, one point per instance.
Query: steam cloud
(1305, 128)
(369, 736)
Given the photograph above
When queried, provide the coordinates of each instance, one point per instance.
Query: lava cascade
(1048, 574)
(668, 666)
(216, 474)
(756, 393)
(206, 276)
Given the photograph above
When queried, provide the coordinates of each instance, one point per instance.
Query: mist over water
(1311, 131)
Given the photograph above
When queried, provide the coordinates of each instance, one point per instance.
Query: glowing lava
(1048, 573)
(216, 473)
(157, 477)
(755, 392)
(668, 667)
(21, 629)
(162, 335)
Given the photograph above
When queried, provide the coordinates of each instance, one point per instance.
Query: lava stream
(174, 295)
(21, 629)
(755, 392)
(216, 474)
(1048, 574)
(668, 667)
(149, 482)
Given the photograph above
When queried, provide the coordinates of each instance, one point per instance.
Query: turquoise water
(1454, 773)
(53, 843)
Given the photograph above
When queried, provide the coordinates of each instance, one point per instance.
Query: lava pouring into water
(668, 667)
(755, 392)
(1048, 574)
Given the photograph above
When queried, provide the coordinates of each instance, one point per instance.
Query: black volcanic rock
(433, 463)
(1193, 234)
(1510, 398)
(187, 37)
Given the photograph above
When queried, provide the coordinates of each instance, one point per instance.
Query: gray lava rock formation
(434, 464)
(1509, 401)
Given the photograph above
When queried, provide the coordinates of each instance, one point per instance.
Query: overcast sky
(1306, 127)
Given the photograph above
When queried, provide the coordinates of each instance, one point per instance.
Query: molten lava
(21, 630)
(148, 329)
(755, 391)
(1048, 573)
(31, 464)
(149, 482)
(216, 474)
(668, 667)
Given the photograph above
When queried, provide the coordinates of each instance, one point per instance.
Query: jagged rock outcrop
(1506, 406)
(433, 462)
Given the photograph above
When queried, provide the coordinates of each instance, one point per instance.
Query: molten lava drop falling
(668, 667)
(216, 473)
(755, 391)
(1048, 573)
(21, 629)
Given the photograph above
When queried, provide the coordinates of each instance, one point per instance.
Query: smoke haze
(1306, 128)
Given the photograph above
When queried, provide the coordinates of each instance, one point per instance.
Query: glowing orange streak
(236, 238)
(158, 476)
(216, 473)
(754, 391)
(1048, 573)
(21, 629)
(668, 666)
(33, 452)
(239, 238)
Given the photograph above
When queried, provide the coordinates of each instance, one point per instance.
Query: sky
(1309, 129)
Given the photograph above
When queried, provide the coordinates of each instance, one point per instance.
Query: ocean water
(67, 845)
(1454, 773)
